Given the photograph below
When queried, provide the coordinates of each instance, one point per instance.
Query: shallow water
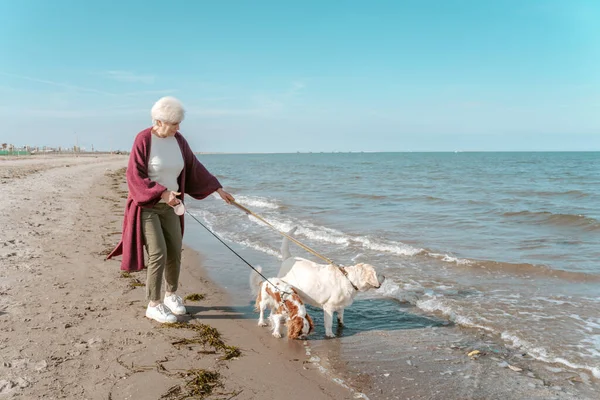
(504, 242)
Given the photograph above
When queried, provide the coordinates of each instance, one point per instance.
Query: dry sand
(72, 327)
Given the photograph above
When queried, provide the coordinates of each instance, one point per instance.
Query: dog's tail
(285, 245)
(255, 280)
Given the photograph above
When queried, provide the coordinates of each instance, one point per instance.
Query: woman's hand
(225, 196)
(170, 197)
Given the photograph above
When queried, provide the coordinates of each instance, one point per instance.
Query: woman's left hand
(225, 196)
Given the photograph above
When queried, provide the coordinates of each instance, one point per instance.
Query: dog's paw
(330, 335)
(262, 323)
(277, 335)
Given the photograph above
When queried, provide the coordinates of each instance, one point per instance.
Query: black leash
(234, 252)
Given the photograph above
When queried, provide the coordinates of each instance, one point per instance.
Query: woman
(162, 169)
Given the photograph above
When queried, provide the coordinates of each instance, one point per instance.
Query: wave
(450, 259)
(399, 198)
(546, 217)
(204, 215)
(322, 235)
(538, 270)
(419, 198)
(436, 305)
(258, 202)
(538, 243)
(260, 247)
(367, 196)
(433, 304)
(327, 235)
(569, 193)
(318, 233)
(433, 198)
(398, 248)
(308, 230)
(515, 268)
(542, 354)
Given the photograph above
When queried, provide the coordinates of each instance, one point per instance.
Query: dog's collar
(343, 271)
(284, 296)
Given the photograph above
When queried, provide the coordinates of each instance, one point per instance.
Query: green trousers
(162, 236)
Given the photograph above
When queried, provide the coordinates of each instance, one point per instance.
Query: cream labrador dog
(326, 286)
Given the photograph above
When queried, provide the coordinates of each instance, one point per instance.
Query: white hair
(167, 109)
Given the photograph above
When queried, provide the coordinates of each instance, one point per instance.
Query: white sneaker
(175, 304)
(160, 313)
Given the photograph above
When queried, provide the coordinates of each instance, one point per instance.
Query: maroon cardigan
(194, 180)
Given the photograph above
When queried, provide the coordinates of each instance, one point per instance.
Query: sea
(502, 243)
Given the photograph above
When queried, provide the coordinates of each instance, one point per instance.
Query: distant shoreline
(400, 152)
(207, 153)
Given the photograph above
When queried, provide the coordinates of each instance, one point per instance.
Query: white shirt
(166, 162)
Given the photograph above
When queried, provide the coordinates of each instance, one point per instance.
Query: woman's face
(166, 129)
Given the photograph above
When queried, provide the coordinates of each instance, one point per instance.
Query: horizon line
(100, 150)
(395, 151)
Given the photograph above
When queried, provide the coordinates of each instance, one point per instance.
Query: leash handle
(305, 247)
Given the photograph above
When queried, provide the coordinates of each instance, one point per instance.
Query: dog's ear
(368, 274)
(311, 325)
(294, 327)
(373, 280)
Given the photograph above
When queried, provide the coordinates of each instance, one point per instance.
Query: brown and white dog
(284, 302)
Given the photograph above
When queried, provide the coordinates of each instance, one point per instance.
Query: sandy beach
(72, 326)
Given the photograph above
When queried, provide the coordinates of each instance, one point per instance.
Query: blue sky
(279, 76)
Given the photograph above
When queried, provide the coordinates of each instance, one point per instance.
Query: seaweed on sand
(206, 335)
(194, 297)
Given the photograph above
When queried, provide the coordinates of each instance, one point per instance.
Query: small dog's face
(300, 327)
(368, 277)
